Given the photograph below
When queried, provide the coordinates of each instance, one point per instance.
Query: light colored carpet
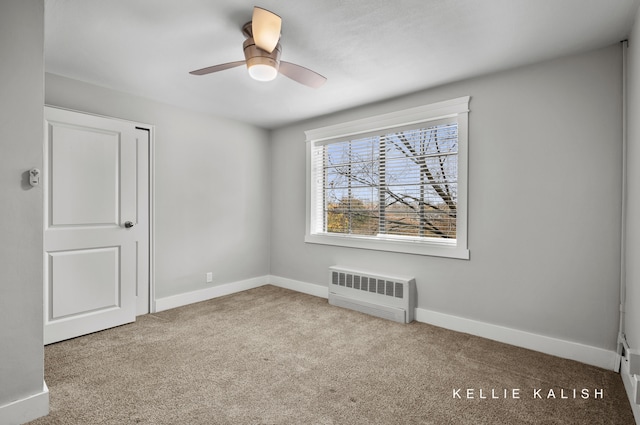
(274, 356)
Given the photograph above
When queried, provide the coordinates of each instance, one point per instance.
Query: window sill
(434, 249)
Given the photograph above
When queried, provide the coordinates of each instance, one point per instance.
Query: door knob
(128, 224)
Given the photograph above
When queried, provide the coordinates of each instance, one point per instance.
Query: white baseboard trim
(205, 294)
(557, 347)
(26, 409)
(632, 386)
(296, 285)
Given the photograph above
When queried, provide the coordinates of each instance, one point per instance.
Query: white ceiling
(368, 49)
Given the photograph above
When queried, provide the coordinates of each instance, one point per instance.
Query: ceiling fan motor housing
(256, 56)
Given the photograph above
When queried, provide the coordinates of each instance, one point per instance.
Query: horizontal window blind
(401, 183)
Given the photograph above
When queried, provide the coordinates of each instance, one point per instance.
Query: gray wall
(632, 251)
(212, 191)
(544, 209)
(21, 211)
(544, 203)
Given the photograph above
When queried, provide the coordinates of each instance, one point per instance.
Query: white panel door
(96, 223)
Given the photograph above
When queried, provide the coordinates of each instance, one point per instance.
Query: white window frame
(455, 110)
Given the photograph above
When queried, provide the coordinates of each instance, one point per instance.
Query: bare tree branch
(422, 163)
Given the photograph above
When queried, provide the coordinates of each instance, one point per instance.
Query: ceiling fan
(262, 53)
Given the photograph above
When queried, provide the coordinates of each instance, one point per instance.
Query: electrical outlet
(209, 277)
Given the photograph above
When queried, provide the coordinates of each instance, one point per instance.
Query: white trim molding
(205, 294)
(217, 291)
(419, 114)
(632, 386)
(298, 286)
(26, 409)
(594, 356)
(434, 249)
(629, 363)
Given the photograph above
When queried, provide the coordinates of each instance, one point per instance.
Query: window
(394, 182)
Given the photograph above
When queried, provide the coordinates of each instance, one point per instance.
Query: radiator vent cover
(389, 297)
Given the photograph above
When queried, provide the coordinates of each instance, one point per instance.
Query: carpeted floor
(274, 356)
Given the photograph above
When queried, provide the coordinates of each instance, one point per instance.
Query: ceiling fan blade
(265, 26)
(301, 74)
(217, 68)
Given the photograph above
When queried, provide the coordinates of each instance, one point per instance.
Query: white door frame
(150, 293)
(151, 158)
(151, 129)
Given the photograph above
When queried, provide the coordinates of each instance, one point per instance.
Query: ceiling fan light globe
(263, 72)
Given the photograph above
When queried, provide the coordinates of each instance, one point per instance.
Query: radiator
(388, 297)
